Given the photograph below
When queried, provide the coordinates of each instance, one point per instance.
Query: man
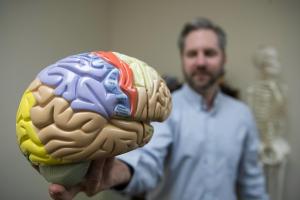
(207, 148)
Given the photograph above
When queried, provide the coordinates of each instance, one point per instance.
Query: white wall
(34, 34)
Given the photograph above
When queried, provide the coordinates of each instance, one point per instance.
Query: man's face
(202, 59)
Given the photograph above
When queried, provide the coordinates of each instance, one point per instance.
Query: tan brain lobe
(111, 117)
(77, 136)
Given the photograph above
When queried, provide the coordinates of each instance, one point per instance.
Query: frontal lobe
(88, 106)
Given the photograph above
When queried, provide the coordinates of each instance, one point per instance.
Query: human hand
(102, 175)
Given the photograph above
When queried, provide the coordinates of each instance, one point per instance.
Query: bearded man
(205, 150)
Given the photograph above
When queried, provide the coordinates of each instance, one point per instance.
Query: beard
(201, 80)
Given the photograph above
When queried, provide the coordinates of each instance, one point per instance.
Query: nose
(201, 59)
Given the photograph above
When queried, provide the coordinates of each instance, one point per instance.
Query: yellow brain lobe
(27, 137)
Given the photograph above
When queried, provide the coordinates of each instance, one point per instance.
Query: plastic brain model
(88, 106)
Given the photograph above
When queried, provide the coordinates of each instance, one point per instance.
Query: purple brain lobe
(89, 83)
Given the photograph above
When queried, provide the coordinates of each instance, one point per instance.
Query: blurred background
(34, 34)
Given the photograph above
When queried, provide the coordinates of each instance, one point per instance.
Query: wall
(34, 34)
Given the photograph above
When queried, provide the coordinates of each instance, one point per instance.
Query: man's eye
(191, 54)
(210, 52)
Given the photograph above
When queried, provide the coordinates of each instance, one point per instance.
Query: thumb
(59, 192)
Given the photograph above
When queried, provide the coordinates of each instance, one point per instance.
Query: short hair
(199, 24)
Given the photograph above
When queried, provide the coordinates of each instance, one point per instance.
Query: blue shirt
(198, 154)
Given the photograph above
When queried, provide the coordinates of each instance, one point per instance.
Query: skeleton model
(267, 99)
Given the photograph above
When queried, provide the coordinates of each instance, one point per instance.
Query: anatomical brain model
(88, 106)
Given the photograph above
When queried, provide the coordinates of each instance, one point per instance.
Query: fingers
(109, 164)
(94, 182)
(95, 171)
(96, 176)
(58, 192)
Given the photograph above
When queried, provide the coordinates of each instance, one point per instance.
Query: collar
(197, 100)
